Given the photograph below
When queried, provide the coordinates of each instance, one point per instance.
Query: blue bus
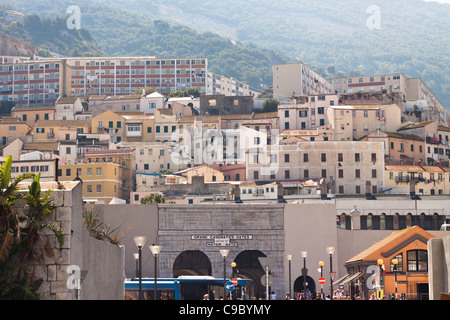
(187, 288)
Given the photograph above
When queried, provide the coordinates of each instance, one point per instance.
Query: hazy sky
(441, 1)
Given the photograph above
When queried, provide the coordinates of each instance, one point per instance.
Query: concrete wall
(439, 266)
(310, 227)
(133, 220)
(103, 261)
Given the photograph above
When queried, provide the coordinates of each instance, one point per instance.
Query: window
(357, 173)
(286, 158)
(340, 157)
(286, 113)
(286, 125)
(321, 110)
(89, 171)
(305, 157)
(374, 157)
(341, 173)
(255, 175)
(417, 260)
(68, 173)
(341, 189)
(357, 157)
(99, 188)
(287, 174)
(89, 188)
(324, 173)
(399, 258)
(323, 157)
(306, 174)
(99, 171)
(374, 173)
(366, 113)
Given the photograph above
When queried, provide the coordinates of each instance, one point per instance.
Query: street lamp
(140, 242)
(395, 262)
(330, 251)
(155, 251)
(321, 264)
(380, 265)
(136, 258)
(289, 257)
(305, 271)
(224, 253)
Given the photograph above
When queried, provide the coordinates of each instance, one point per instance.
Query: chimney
(420, 163)
(369, 195)
(280, 197)
(237, 194)
(323, 190)
(412, 190)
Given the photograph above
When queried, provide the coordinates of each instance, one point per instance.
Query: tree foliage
(21, 239)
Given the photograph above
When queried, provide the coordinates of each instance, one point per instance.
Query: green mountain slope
(413, 38)
(51, 36)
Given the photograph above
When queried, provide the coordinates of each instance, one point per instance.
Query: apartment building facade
(417, 96)
(352, 122)
(419, 178)
(124, 75)
(306, 112)
(297, 79)
(30, 115)
(35, 82)
(102, 181)
(345, 165)
(399, 148)
(219, 84)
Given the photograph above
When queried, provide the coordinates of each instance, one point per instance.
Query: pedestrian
(288, 296)
(273, 296)
(318, 296)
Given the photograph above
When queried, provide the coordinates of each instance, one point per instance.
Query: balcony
(401, 179)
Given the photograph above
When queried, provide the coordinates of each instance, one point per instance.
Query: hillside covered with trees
(244, 38)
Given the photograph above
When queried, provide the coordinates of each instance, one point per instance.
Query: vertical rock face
(10, 46)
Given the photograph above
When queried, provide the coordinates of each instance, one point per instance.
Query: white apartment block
(297, 79)
(124, 75)
(345, 165)
(219, 84)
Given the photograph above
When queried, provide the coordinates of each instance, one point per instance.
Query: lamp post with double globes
(395, 263)
(380, 263)
(289, 257)
(140, 242)
(330, 251)
(224, 253)
(321, 264)
(136, 258)
(155, 251)
(304, 254)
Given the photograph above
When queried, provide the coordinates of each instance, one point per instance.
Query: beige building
(306, 112)
(297, 79)
(13, 128)
(102, 181)
(399, 148)
(345, 165)
(210, 174)
(437, 146)
(416, 94)
(48, 130)
(67, 107)
(423, 180)
(353, 122)
(30, 115)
